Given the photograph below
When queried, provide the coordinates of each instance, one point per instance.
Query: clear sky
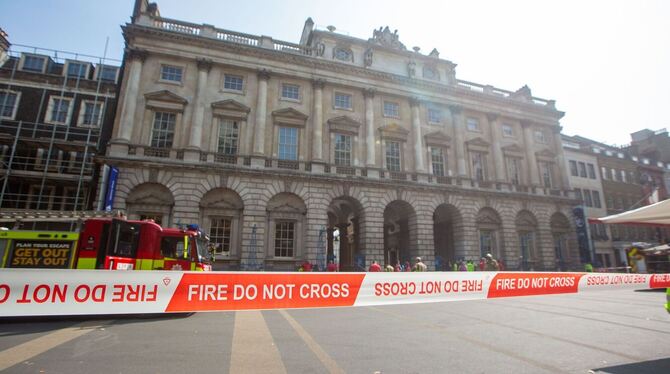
(605, 62)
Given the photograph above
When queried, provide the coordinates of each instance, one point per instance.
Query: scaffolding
(48, 168)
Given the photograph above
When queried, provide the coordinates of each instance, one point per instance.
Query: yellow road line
(325, 359)
(253, 348)
(25, 351)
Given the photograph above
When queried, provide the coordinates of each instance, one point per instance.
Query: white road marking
(325, 359)
(253, 348)
(25, 351)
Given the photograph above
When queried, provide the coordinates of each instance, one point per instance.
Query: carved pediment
(289, 116)
(165, 100)
(437, 138)
(478, 144)
(288, 209)
(344, 124)
(523, 94)
(148, 199)
(394, 132)
(513, 150)
(230, 108)
(386, 38)
(525, 220)
(545, 155)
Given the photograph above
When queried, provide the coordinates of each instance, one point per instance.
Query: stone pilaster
(459, 139)
(531, 161)
(416, 130)
(369, 128)
(560, 158)
(261, 112)
(317, 124)
(498, 158)
(197, 118)
(135, 58)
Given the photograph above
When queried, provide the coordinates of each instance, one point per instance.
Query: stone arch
(489, 228)
(343, 233)
(560, 232)
(151, 201)
(527, 232)
(286, 227)
(447, 232)
(221, 214)
(400, 232)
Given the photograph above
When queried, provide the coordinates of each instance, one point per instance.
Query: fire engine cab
(119, 244)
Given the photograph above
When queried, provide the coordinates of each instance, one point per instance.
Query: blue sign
(111, 188)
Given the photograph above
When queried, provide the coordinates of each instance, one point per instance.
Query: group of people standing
(486, 263)
(418, 266)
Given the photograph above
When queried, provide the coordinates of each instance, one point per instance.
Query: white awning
(655, 214)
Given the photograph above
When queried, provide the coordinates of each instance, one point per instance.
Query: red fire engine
(119, 244)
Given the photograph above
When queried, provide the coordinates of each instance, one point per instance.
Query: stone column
(528, 140)
(135, 59)
(198, 115)
(498, 158)
(416, 128)
(459, 139)
(560, 158)
(369, 127)
(317, 124)
(261, 112)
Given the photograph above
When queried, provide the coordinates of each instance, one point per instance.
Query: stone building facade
(334, 147)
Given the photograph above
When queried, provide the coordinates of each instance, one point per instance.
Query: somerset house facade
(334, 147)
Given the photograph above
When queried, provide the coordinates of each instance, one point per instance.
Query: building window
(290, 91)
(107, 73)
(233, 82)
(609, 201)
(582, 170)
(288, 143)
(540, 137)
(437, 160)
(342, 54)
(434, 115)
(393, 156)
(578, 195)
(622, 176)
(603, 171)
(596, 199)
(284, 239)
(171, 73)
(573, 168)
(342, 150)
(76, 69)
(162, 134)
(220, 235)
(33, 63)
(478, 166)
(8, 104)
(587, 198)
(391, 109)
(546, 171)
(527, 243)
(91, 113)
(342, 101)
(513, 170)
(59, 111)
(507, 130)
(472, 124)
(228, 134)
(487, 242)
(592, 171)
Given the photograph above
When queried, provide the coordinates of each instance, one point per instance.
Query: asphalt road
(604, 332)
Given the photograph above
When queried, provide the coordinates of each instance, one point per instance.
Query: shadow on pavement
(118, 318)
(645, 367)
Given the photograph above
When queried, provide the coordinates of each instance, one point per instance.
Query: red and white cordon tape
(35, 292)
